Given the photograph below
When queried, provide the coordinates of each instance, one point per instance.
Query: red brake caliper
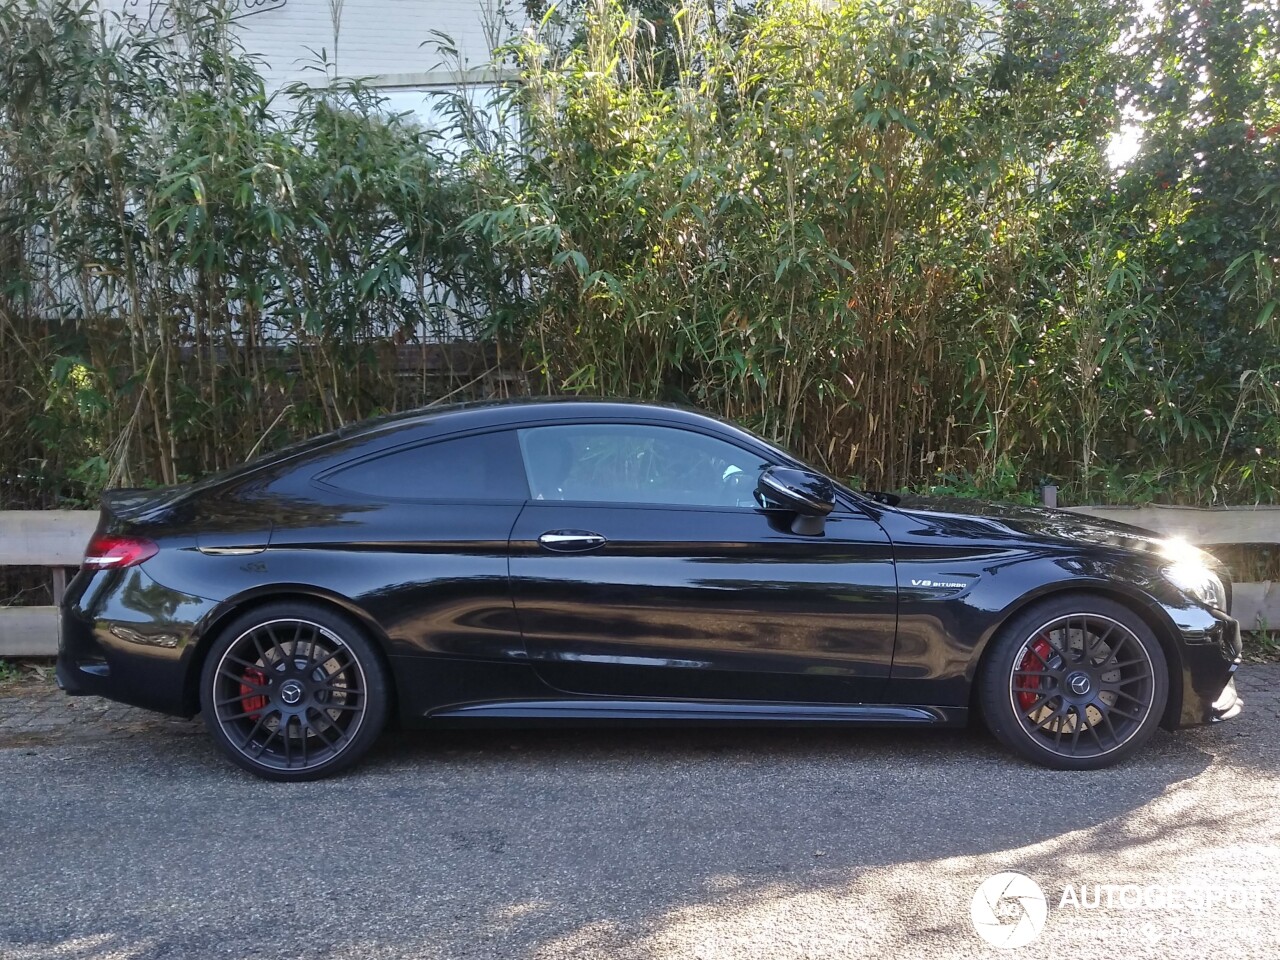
(1036, 658)
(253, 703)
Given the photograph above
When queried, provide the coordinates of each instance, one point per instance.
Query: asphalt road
(135, 840)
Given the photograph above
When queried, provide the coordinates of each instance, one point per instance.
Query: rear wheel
(1076, 683)
(294, 691)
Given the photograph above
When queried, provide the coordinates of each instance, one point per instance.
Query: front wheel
(293, 691)
(1076, 683)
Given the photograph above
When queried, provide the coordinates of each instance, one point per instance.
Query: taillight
(105, 550)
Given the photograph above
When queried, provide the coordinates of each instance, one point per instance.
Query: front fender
(943, 633)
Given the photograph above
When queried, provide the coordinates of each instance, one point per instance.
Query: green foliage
(1005, 483)
(193, 270)
(1206, 185)
(885, 234)
(1262, 646)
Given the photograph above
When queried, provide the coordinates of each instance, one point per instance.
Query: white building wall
(379, 39)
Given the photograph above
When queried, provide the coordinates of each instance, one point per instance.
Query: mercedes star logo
(291, 692)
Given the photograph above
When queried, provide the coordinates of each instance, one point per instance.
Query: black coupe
(591, 561)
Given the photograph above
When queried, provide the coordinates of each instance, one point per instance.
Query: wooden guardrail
(56, 539)
(1255, 605)
(40, 538)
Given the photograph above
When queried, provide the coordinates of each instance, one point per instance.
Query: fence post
(1049, 495)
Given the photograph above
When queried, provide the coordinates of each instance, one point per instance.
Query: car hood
(1003, 520)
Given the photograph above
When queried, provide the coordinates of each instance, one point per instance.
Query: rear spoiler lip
(138, 503)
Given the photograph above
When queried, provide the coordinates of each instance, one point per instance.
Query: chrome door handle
(571, 541)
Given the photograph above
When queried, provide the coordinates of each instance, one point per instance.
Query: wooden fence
(56, 539)
(40, 538)
(1255, 605)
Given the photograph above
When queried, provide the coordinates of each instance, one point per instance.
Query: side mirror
(810, 496)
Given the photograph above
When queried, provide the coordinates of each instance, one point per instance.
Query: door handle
(571, 541)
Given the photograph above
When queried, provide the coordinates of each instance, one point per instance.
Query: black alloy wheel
(294, 692)
(1077, 683)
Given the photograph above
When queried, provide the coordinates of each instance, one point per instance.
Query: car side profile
(603, 562)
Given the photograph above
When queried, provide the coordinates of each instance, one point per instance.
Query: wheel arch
(213, 623)
(1140, 604)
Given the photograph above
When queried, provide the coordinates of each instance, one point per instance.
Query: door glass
(631, 463)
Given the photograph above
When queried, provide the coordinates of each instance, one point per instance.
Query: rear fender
(210, 625)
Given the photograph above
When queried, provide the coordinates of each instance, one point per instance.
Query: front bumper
(1210, 652)
(1229, 704)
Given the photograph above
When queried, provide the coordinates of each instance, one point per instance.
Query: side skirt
(699, 711)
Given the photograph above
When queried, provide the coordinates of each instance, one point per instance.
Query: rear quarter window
(485, 466)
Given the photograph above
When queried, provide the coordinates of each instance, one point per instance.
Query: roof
(480, 414)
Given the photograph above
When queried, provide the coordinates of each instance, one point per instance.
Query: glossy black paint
(725, 604)
(801, 491)
(879, 615)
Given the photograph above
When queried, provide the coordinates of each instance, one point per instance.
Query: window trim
(323, 479)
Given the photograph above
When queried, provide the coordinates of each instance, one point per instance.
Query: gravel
(127, 836)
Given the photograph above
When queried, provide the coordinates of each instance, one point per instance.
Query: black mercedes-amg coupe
(592, 561)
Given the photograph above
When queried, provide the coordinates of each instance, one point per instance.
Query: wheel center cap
(1079, 684)
(291, 692)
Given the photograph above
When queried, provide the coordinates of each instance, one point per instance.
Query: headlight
(1199, 582)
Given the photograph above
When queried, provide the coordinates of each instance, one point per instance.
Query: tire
(1045, 699)
(294, 691)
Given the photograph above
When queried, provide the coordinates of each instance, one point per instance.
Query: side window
(630, 463)
(480, 467)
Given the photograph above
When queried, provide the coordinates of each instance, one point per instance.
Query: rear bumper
(73, 679)
(113, 644)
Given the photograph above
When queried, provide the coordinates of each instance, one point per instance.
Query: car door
(421, 543)
(643, 567)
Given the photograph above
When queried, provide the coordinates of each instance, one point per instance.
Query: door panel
(724, 603)
(434, 575)
(417, 536)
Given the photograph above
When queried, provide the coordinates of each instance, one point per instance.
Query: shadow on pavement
(563, 843)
